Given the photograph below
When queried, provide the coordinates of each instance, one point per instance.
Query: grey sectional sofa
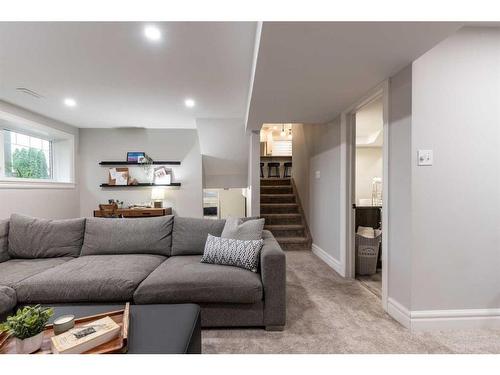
(145, 261)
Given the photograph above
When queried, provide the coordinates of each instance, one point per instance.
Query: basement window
(34, 155)
(26, 156)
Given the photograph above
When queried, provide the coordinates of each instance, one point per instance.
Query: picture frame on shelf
(162, 176)
(118, 176)
(136, 157)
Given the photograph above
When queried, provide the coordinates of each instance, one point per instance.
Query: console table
(139, 212)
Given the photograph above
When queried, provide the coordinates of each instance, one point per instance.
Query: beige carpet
(327, 314)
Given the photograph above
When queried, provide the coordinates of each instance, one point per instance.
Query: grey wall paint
(456, 202)
(46, 203)
(168, 144)
(324, 193)
(300, 162)
(399, 185)
(223, 144)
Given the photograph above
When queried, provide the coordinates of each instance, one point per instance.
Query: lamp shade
(157, 193)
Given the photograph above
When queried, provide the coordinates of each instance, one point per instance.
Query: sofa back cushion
(4, 240)
(190, 234)
(151, 235)
(31, 238)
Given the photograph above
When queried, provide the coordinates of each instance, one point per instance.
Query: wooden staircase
(280, 206)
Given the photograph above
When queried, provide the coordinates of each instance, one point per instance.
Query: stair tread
(284, 226)
(282, 214)
(278, 204)
(277, 195)
(292, 239)
(275, 179)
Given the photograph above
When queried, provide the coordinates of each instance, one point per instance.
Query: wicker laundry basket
(367, 250)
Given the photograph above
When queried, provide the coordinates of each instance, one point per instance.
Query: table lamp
(157, 196)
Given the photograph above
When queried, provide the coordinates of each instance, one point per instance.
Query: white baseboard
(455, 319)
(433, 320)
(399, 312)
(328, 259)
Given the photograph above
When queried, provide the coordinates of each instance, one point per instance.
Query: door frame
(348, 150)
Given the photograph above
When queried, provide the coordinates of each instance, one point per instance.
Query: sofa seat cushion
(14, 271)
(93, 278)
(151, 235)
(30, 237)
(8, 299)
(184, 279)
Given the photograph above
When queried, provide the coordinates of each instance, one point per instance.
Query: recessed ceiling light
(190, 103)
(70, 102)
(153, 33)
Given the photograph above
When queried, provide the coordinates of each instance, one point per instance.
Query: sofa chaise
(144, 261)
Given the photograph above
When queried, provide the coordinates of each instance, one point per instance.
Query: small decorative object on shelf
(26, 326)
(118, 176)
(119, 203)
(135, 157)
(147, 165)
(162, 177)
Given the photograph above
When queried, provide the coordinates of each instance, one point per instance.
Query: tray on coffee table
(117, 345)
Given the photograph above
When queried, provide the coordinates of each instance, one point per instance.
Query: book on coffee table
(81, 339)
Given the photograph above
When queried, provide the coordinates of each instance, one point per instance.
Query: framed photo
(118, 176)
(135, 157)
(162, 176)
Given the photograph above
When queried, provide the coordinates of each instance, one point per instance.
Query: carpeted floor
(328, 314)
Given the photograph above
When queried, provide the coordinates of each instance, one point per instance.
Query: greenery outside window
(27, 156)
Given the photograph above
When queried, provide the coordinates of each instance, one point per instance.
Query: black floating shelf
(141, 184)
(156, 162)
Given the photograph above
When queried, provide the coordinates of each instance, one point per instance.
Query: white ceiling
(308, 72)
(119, 79)
(370, 124)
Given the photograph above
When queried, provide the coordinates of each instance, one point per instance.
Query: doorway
(366, 139)
(368, 188)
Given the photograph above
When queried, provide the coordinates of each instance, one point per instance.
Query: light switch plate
(318, 175)
(425, 157)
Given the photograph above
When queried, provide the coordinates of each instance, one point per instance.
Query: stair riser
(274, 182)
(282, 220)
(279, 210)
(277, 198)
(276, 190)
(295, 246)
(288, 232)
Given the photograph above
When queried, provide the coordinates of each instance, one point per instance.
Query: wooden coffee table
(154, 329)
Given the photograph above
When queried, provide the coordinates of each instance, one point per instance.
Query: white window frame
(62, 154)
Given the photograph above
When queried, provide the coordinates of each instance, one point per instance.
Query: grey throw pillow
(231, 252)
(30, 237)
(243, 230)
